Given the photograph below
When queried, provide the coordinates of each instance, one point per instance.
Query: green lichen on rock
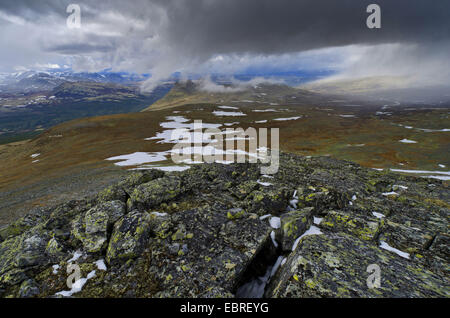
(129, 237)
(152, 194)
(235, 213)
(337, 266)
(200, 233)
(91, 228)
(406, 238)
(293, 225)
(274, 201)
(363, 227)
(23, 224)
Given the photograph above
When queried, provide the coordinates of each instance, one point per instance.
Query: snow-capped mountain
(33, 81)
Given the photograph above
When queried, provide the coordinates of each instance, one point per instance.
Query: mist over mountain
(197, 38)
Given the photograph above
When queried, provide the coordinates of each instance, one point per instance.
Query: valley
(406, 138)
(23, 116)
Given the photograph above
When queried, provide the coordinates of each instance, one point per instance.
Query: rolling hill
(70, 158)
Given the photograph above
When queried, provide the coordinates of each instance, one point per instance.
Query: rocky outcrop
(338, 265)
(91, 228)
(318, 228)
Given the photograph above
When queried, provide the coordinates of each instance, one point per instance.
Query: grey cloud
(163, 36)
(269, 26)
(79, 48)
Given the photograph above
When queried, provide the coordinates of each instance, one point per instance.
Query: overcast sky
(228, 36)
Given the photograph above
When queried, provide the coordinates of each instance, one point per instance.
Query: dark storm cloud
(162, 36)
(270, 26)
(77, 48)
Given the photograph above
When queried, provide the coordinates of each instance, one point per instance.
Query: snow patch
(264, 110)
(77, 286)
(137, 158)
(76, 256)
(317, 220)
(422, 171)
(275, 222)
(444, 178)
(158, 213)
(232, 114)
(313, 230)
(101, 264)
(288, 118)
(378, 215)
(408, 141)
(55, 269)
(276, 266)
(264, 184)
(389, 193)
(272, 236)
(387, 247)
(227, 107)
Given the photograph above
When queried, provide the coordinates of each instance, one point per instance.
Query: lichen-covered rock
(55, 249)
(92, 227)
(338, 266)
(140, 177)
(217, 252)
(406, 238)
(23, 224)
(207, 232)
(112, 193)
(441, 246)
(235, 213)
(273, 201)
(28, 289)
(322, 198)
(245, 188)
(130, 236)
(153, 193)
(364, 227)
(216, 292)
(22, 252)
(293, 225)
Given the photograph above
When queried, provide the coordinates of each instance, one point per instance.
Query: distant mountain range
(37, 81)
